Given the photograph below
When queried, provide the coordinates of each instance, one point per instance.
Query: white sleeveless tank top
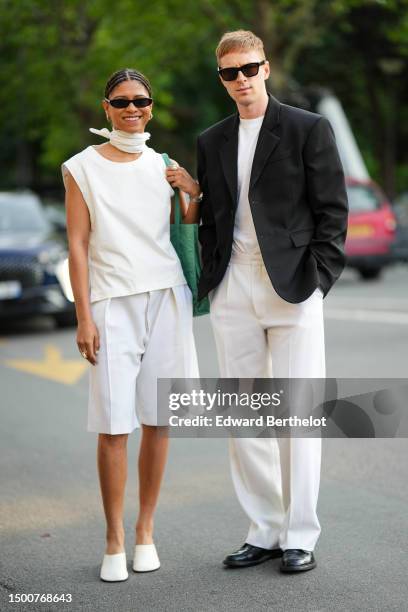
(129, 207)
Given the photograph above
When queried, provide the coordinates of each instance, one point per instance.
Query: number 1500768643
(41, 597)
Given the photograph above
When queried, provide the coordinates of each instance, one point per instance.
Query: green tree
(56, 57)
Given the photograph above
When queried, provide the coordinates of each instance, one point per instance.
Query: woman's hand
(88, 340)
(179, 177)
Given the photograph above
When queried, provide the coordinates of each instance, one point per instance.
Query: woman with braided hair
(133, 306)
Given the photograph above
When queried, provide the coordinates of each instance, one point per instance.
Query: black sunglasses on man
(248, 70)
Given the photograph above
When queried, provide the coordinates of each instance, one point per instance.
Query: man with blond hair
(274, 218)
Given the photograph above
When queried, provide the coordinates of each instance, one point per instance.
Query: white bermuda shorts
(143, 337)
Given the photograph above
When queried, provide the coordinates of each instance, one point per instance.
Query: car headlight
(49, 258)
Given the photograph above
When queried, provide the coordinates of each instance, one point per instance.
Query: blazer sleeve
(327, 196)
(207, 233)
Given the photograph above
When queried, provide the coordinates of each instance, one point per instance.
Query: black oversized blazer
(297, 197)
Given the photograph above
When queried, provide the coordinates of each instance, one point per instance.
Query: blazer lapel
(267, 140)
(229, 157)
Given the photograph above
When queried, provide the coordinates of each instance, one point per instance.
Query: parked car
(400, 247)
(31, 248)
(371, 229)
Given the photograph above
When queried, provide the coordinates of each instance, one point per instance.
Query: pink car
(371, 228)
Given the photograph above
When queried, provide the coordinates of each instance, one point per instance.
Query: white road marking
(367, 316)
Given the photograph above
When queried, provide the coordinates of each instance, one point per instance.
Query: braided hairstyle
(126, 74)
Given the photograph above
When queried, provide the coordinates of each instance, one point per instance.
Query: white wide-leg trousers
(259, 335)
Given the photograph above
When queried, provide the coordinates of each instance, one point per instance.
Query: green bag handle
(177, 207)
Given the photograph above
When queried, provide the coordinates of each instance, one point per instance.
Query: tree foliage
(57, 56)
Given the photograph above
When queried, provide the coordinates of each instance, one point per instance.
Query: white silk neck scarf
(130, 143)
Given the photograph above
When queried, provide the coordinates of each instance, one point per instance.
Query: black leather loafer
(249, 555)
(296, 560)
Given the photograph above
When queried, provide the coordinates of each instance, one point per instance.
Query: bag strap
(177, 209)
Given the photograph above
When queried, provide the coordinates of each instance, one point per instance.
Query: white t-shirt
(129, 206)
(245, 240)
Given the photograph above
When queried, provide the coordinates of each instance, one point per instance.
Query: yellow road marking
(53, 366)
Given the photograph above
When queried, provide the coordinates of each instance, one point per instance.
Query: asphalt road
(51, 520)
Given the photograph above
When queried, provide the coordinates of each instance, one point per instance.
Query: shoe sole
(146, 571)
(246, 564)
(293, 570)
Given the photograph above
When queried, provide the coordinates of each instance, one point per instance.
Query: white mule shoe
(146, 558)
(114, 567)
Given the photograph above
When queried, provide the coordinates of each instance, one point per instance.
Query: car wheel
(370, 273)
(65, 319)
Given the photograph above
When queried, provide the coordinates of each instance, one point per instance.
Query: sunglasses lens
(142, 102)
(250, 70)
(229, 74)
(119, 103)
(124, 103)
